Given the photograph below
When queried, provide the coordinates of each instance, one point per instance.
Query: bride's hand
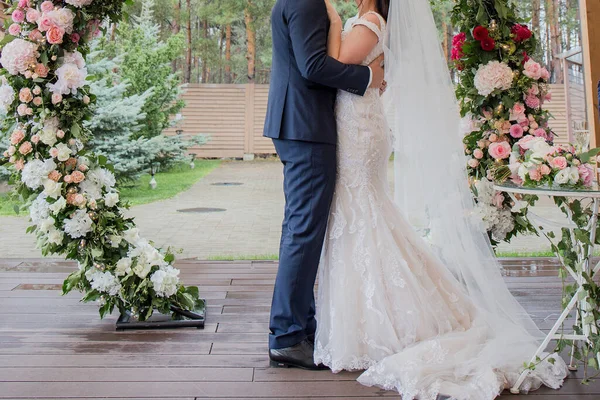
(334, 17)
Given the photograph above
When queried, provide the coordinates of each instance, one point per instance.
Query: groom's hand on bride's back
(378, 71)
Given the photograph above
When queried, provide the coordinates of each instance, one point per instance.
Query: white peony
(7, 96)
(123, 266)
(36, 172)
(79, 225)
(562, 177)
(493, 75)
(111, 199)
(55, 236)
(18, 56)
(39, 209)
(165, 281)
(52, 189)
(58, 205)
(70, 78)
(63, 152)
(79, 3)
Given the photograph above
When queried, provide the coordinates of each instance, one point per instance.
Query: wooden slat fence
(233, 116)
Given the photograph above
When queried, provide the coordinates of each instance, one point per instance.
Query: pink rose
(86, 100)
(68, 179)
(20, 164)
(23, 3)
(532, 102)
(79, 200)
(75, 37)
(478, 154)
(473, 163)
(545, 170)
(57, 98)
(55, 35)
(83, 167)
(35, 139)
(532, 70)
(29, 111)
(540, 132)
(45, 23)
(498, 200)
(54, 176)
(47, 6)
(548, 96)
(54, 152)
(493, 137)
(11, 150)
(42, 70)
(35, 35)
(25, 95)
(506, 126)
(535, 175)
(516, 131)
(545, 74)
(60, 134)
(560, 162)
(14, 29)
(77, 176)
(22, 109)
(37, 90)
(32, 15)
(37, 101)
(17, 136)
(487, 113)
(18, 16)
(586, 173)
(517, 111)
(25, 148)
(499, 150)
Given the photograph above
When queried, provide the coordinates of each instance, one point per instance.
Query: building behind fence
(233, 117)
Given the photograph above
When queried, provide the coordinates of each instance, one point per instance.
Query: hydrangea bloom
(493, 75)
(165, 281)
(79, 3)
(79, 225)
(18, 56)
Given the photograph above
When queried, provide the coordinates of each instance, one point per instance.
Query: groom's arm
(307, 21)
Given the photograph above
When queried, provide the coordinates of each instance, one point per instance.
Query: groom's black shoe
(299, 356)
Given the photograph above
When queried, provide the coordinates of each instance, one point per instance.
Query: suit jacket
(304, 80)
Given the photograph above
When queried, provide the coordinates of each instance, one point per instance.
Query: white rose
(55, 236)
(132, 235)
(562, 177)
(573, 175)
(64, 152)
(52, 189)
(115, 240)
(523, 171)
(111, 199)
(46, 225)
(58, 205)
(123, 267)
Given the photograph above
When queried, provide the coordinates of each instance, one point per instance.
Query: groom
(301, 122)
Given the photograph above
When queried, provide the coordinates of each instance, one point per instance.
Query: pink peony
(25, 148)
(55, 35)
(47, 6)
(499, 150)
(14, 29)
(586, 173)
(18, 16)
(516, 131)
(478, 154)
(17, 136)
(541, 132)
(532, 70)
(25, 95)
(532, 102)
(560, 162)
(32, 15)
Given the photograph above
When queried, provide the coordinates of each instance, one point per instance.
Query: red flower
(525, 57)
(488, 44)
(459, 39)
(480, 33)
(521, 32)
(457, 44)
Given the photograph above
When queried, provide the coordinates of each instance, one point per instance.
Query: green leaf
(76, 130)
(586, 157)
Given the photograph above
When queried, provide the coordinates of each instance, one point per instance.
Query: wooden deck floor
(56, 347)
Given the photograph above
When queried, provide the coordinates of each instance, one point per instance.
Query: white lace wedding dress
(385, 303)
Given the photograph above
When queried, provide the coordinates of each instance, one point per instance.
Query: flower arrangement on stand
(501, 91)
(508, 137)
(71, 194)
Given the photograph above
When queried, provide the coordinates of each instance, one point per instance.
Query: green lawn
(170, 183)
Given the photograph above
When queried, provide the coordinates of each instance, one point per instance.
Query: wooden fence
(233, 116)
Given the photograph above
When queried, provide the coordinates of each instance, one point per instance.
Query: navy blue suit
(301, 121)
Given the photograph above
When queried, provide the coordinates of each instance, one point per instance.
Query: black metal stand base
(161, 321)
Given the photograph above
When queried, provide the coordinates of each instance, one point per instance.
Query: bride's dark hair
(382, 7)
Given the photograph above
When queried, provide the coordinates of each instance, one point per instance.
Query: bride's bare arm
(359, 42)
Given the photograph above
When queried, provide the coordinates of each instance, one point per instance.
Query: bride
(425, 319)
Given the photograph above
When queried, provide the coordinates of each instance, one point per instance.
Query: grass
(525, 254)
(257, 257)
(170, 183)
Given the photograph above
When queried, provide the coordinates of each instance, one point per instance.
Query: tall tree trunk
(188, 57)
(251, 41)
(205, 70)
(176, 28)
(228, 77)
(535, 16)
(552, 9)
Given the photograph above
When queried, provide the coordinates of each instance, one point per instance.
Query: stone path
(250, 224)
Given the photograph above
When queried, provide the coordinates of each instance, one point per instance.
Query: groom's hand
(378, 72)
